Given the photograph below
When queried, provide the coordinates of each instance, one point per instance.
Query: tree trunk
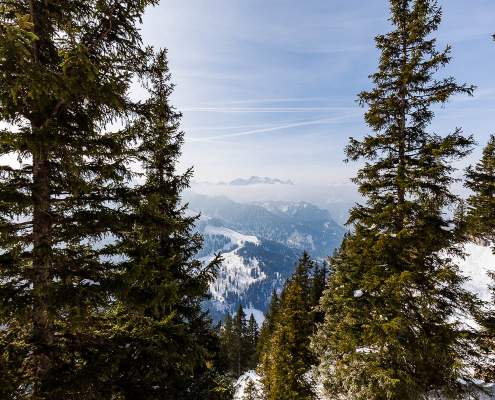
(42, 274)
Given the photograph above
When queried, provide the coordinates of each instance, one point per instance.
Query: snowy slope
(242, 382)
(236, 274)
(260, 244)
(479, 260)
(236, 238)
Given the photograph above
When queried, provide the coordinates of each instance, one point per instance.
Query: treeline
(238, 343)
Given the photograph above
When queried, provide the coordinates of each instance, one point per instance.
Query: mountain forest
(113, 286)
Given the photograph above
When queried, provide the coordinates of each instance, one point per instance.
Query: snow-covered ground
(242, 382)
(236, 238)
(252, 376)
(478, 262)
(236, 274)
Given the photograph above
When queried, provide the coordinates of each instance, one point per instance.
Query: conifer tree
(268, 325)
(66, 68)
(251, 392)
(226, 335)
(390, 329)
(238, 350)
(318, 285)
(481, 204)
(158, 309)
(251, 343)
(239, 339)
(287, 358)
(481, 225)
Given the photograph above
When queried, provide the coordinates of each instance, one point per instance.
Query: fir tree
(287, 358)
(161, 325)
(251, 392)
(239, 339)
(66, 68)
(251, 343)
(318, 285)
(390, 330)
(481, 204)
(239, 356)
(481, 225)
(268, 325)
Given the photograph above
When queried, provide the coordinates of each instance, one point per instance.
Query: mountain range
(260, 244)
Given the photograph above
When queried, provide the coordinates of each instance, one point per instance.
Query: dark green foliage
(268, 326)
(251, 392)
(158, 308)
(486, 369)
(252, 338)
(286, 358)
(100, 293)
(390, 330)
(481, 204)
(481, 225)
(66, 68)
(239, 339)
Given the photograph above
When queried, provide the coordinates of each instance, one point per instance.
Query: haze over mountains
(254, 180)
(260, 243)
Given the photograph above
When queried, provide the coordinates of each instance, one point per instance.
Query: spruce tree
(318, 285)
(481, 204)
(239, 359)
(251, 343)
(391, 329)
(238, 342)
(287, 359)
(268, 325)
(251, 392)
(66, 68)
(481, 225)
(164, 340)
(226, 335)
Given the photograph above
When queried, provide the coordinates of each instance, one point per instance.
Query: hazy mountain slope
(260, 244)
(299, 225)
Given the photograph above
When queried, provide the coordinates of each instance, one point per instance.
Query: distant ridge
(253, 180)
(260, 244)
(258, 180)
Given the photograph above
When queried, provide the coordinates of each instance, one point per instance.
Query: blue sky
(268, 87)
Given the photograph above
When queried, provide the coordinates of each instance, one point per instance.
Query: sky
(269, 87)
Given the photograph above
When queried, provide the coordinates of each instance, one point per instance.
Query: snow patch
(257, 314)
(236, 238)
(236, 275)
(241, 384)
(478, 262)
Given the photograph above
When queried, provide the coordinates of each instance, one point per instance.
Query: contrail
(272, 129)
(265, 109)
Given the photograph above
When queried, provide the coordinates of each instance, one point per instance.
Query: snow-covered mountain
(260, 180)
(297, 225)
(260, 244)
